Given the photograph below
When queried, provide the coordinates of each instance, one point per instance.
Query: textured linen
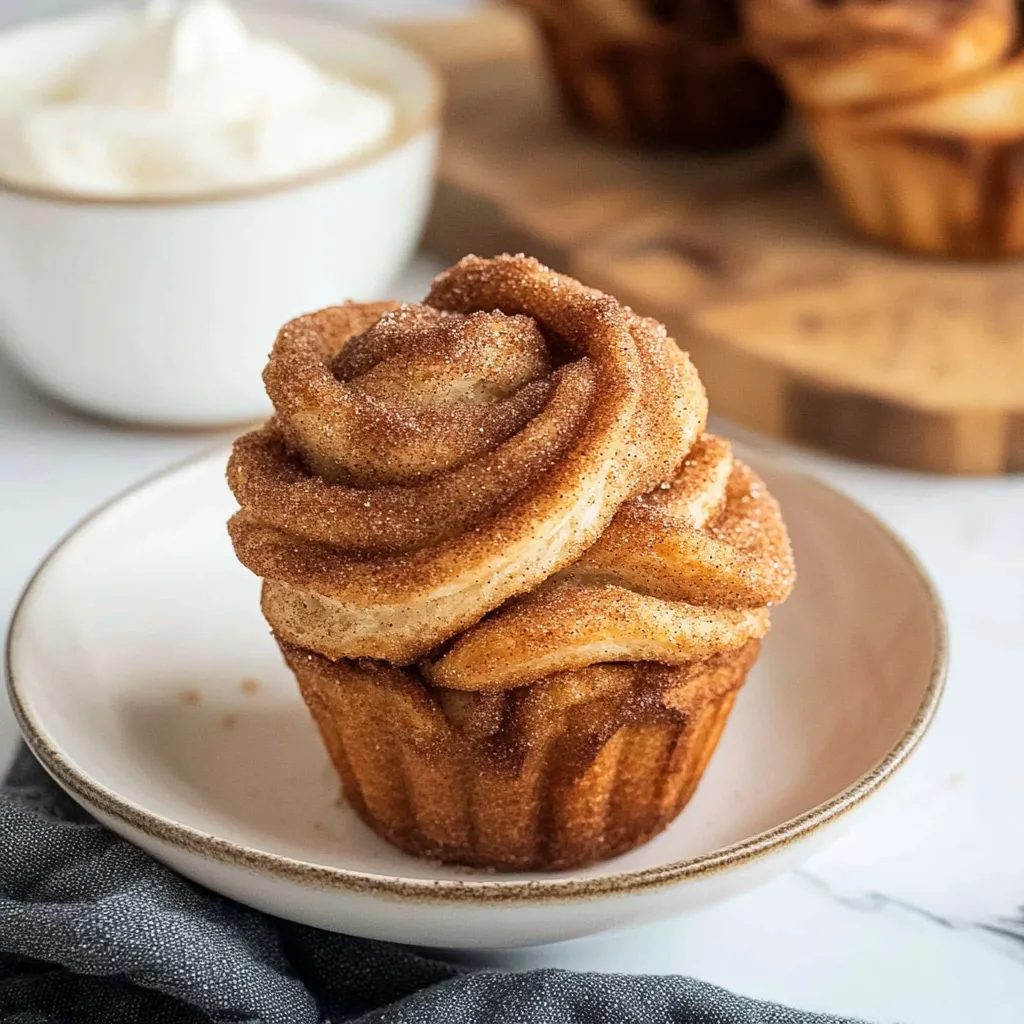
(94, 931)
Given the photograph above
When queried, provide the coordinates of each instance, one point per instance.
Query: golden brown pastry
(916, 108)
(517, 583)
(659, 72)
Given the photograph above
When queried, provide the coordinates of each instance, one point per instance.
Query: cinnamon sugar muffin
(518, 584)
(659, 72)
(916, 108)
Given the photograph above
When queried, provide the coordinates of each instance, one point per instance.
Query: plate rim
(97, 797)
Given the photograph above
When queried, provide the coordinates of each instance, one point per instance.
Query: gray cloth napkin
(93, 931)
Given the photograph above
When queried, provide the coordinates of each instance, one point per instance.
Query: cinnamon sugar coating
(388, 556)
(713, 535)
(568, 625)
(682, 573)
(416, 393)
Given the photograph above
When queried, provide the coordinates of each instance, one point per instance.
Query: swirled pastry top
(427, 463)
(839, 52)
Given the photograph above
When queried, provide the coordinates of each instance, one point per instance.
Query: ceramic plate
(145, 680)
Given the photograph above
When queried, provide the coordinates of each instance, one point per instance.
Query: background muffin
(916, 108)
(659, 72)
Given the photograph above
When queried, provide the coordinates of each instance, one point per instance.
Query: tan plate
(145, 681)
(799, 329)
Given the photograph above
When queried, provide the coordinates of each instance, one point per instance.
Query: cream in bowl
(174, 99)
(176, 181)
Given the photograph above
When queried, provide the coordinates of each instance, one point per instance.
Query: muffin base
(926, 193)
(576, 768)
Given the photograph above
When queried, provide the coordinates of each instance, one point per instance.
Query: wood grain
(799, 329)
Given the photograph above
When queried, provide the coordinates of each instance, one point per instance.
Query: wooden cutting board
(799, 329)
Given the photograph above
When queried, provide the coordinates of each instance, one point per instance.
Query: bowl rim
(297, 10)
(473, 890)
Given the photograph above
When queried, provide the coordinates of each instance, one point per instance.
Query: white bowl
(132, 665)
(163, 310)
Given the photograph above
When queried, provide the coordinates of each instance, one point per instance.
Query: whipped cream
(175, 99)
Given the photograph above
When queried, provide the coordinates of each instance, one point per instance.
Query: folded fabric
(94, 931)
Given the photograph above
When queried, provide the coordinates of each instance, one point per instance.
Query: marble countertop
(915, 916)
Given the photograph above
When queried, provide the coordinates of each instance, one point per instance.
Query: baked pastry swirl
(660, 72)
(680, 574)
(496, 545)
(462, 452)
(916, 108)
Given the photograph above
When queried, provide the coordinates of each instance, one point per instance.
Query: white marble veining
(792, 942)
(947, 835)
(907, 918)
